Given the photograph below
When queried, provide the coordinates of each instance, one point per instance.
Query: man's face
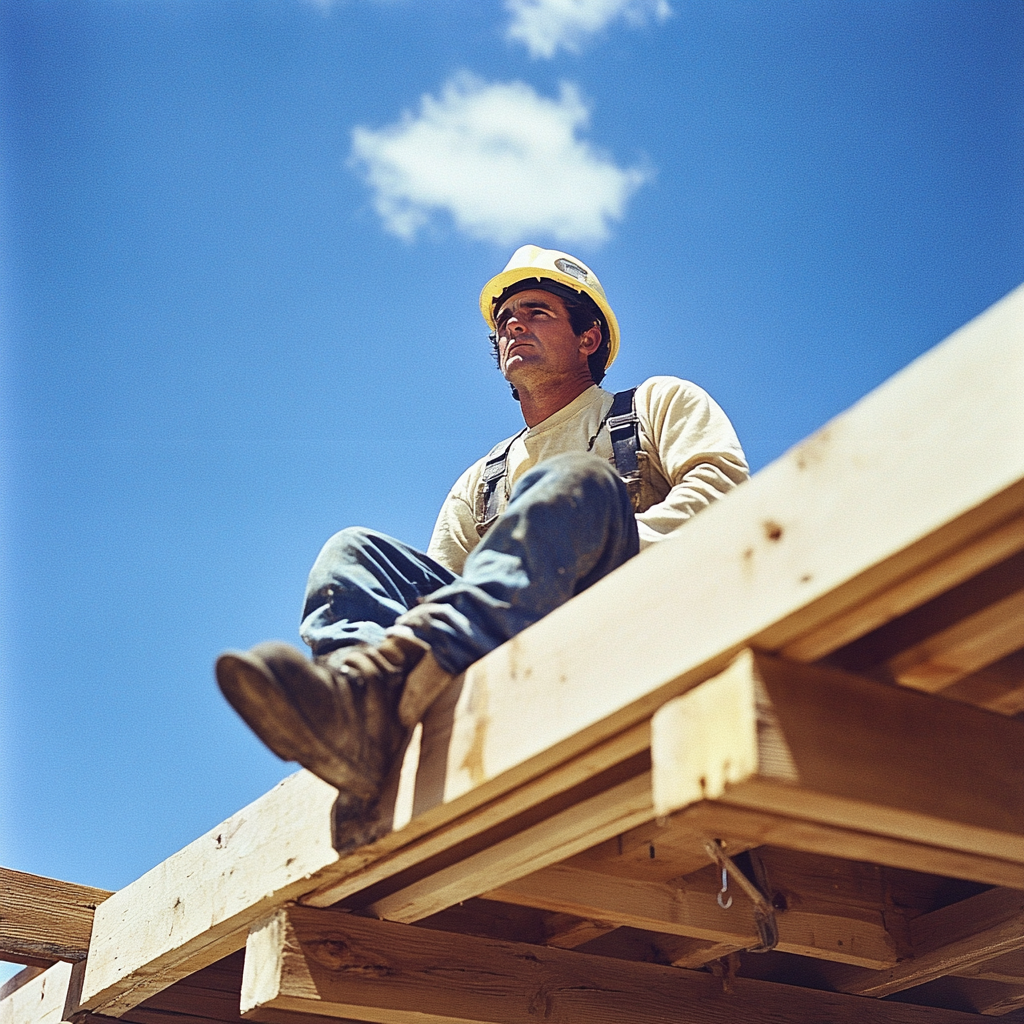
(535, 338)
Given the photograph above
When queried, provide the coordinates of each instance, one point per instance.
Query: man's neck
(545, 399)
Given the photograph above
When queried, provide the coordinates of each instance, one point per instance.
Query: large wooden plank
(764, 735)
(322, 962)
(43, 920)
(41, 1000)
(829, 526)
(844, 935)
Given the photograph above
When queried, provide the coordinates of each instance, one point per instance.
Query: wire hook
(725, 888)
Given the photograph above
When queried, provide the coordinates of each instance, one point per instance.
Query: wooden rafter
(955, 939)
(827, 747)
(846, 935)
(43, 920)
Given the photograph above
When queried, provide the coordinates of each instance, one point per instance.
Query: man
(539, 519)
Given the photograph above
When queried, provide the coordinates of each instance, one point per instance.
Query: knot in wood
(338, 955)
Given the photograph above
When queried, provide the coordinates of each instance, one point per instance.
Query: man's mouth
(518, 343)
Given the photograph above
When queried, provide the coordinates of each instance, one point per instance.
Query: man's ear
(590, 340)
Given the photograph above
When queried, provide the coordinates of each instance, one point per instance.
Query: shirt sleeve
(455, 533)
(692, 445)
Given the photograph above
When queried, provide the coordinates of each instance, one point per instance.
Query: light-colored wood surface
(40, 1000)
(13, 983)
(442, 828)
(748, 827)
(215, 888)
(903, 595)
(902, 764)
(572, 830)
(845, 935)
(187, 912)
(43, 920)
(336, 965)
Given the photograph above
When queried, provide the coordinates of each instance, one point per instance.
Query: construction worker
(591, 479)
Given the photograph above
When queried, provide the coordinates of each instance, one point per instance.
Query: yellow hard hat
(530, 261)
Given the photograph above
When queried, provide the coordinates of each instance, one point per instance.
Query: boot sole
(251, 689)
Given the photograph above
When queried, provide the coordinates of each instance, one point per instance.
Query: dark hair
(583, 314)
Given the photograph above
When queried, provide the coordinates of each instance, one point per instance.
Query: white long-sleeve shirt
(692, 458)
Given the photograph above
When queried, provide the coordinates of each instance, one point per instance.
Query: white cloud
(504, 162)
(546, 25)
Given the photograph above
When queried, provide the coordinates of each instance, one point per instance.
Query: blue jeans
(568, 523)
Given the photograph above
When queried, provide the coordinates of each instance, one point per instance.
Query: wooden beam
(764, 735)
(832, 524)
(748, 827)
(40, 1000)
(567, 932)
(547, 842)
(998, 687)
(854, 937)
(971, 644)
(947, 941)
(43, 920)
(902, 596)
(1008, 968)
(322, 962)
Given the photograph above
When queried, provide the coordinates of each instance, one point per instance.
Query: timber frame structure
(814, 693)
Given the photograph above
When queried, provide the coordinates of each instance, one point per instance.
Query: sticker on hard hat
(572, 269)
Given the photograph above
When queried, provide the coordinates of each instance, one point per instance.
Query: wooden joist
(824, 746)
(824, 531)
(43, 920)
(904, 595)
(955, 939)
(998, 687)
(846, 935)
(971, 644)
(303, 960)
(564, 834)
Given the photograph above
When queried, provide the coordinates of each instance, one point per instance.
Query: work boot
(336, 716)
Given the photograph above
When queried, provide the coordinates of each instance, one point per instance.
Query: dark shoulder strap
(624, 431)
(495, 467)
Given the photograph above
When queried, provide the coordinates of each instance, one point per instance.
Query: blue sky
(242, 246)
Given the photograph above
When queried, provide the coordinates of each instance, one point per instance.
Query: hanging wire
(764, 912)
(725, 889)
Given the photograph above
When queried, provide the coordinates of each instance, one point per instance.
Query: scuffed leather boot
(336, 716)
